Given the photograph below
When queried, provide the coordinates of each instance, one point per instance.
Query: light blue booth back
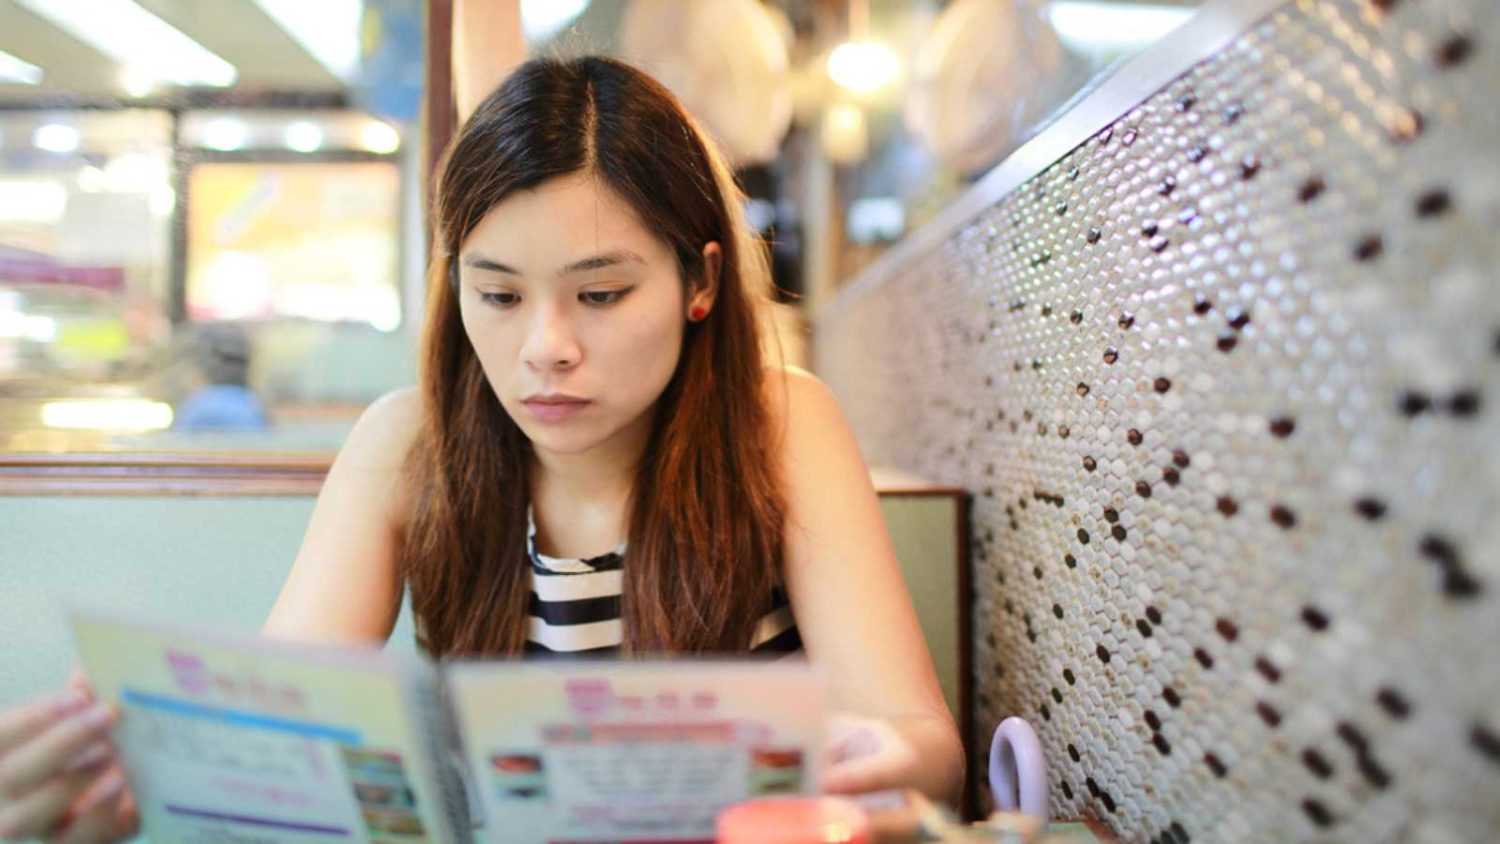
(210, 561)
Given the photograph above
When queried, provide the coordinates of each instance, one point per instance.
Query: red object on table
(794, 820)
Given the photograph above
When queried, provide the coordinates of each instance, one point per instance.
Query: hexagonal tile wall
(1222, 381)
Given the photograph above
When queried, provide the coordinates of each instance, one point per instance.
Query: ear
(707, 288)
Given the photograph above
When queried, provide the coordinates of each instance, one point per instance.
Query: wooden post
(438, 113)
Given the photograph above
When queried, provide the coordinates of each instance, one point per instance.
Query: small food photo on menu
(775, 771)
(386, 800)
(518, 776)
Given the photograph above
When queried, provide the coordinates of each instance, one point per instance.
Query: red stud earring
(697, 313)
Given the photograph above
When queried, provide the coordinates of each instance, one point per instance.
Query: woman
(593, 420)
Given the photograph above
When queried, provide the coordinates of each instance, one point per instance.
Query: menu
(250, 740)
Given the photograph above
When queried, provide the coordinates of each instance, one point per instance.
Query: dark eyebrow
(481, 263)
(597, 262)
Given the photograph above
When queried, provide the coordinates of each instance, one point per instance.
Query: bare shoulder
(390, 421)
(812, 437)
(375, 451)
(344, 585)
(798, 400)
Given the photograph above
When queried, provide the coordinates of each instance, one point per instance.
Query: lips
(554, 408)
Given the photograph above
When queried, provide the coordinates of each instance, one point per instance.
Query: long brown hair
(707, 509)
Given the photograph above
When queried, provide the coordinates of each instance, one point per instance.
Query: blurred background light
(863, 67)
(56, 137)
(760, 214)
(108, 414)
(139, 81)
(13, 70)
(91, 180)
(1090, 25)
(137, 39)
(163, 200)
(33, 200)
(327, 29)
(379, 137)
(875, 218)
(135, 172)
(542, 19)
(844, 136)
(15, 325)
(304, 136)
(225, 134)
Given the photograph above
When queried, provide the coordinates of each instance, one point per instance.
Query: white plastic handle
(1018, 771)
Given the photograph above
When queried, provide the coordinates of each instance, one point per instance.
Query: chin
(562, 441)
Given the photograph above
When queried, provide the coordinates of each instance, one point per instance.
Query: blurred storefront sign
(388, 82)
(19, 266)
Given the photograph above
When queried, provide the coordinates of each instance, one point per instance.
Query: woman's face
(576, 312)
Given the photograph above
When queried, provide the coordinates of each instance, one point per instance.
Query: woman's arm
(344, 586)
(487, 46)
(59, 775)
(853, 608)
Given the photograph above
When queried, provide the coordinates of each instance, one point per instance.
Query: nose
(550, 341)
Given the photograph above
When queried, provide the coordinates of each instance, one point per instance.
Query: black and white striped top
(575, 608)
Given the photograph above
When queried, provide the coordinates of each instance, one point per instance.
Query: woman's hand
(866, 754)
(59, 778)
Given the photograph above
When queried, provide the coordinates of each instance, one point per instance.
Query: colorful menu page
(632, 752)
(253, 740)
(257, 741)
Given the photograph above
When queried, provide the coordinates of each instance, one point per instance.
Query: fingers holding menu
(105, 812)
(50, 750)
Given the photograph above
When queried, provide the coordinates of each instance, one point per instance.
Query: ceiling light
(303, 136)
(1093, 26)
(137, 39)
(225, 134)
(863, 67)
(56, 137)
(379, 137)
(327, 29)
(13, 70)
(542, 19)
(137, 81)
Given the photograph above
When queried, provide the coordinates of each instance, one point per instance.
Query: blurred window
(210, 220)
(305, 240)
(971, 81)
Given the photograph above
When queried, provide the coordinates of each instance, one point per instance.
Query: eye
(503, 299)
(602, 297)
